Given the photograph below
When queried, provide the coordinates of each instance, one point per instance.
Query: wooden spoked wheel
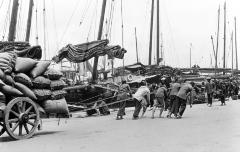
(2, 128)
(21, 118)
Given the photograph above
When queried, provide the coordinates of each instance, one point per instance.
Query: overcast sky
(181, 22)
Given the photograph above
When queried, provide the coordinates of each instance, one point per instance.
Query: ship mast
(157, 32)
(216, 66)
(12, 27)
(136, 43)
(151, 31)
(224, 44)
(29, 20)
(94, 75)
(236, 42)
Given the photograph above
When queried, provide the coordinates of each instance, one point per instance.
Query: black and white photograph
(119, 76)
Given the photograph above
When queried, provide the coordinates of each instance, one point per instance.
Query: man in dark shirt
(173, 97)
(182, 95)
(209, 91)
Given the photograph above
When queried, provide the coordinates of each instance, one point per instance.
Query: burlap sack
(9, 80)
(9, 90)
(25, 90)
(53, 74)
(58, 94)
(41, 83)
(24, 79)
(24, 65)
(57, 84)
(39, 69)
(42, 94)
(56, 106)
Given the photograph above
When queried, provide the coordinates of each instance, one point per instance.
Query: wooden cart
(20, 118)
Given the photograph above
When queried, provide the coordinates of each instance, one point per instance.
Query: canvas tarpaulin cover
(83, 52)
(22, 49)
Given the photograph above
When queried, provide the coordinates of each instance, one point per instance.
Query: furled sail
(83, 52)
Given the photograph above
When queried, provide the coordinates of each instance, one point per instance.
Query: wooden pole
(216, 58)
(158, 32)
(94, 76)
(151, 31)
(29, 20)
(232, 49)
(224, 42)
(136, 44)
(44, 31)
(190, 55)
(13, 23)
(236, 42)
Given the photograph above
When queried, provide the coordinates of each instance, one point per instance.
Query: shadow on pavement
(42, 133)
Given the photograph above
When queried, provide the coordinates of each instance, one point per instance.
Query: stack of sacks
(57, 103)
(30, 78)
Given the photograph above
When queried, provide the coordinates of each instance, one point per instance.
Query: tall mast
(232, 49)
(157, 32)
(151, 31)
(94, 76)
(236, 42)
(224, 42)
(161, 46)
(216, 66)
(136, 43)
(29, 21)
(190, 55)
(122, 33)
(12, 27)
(44, 30)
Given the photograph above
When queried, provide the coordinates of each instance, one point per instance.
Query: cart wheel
(21, 113)
(2, 128)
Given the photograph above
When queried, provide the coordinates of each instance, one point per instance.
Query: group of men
(178, 94)
(173, 98)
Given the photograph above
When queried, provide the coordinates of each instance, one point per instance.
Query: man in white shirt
(141, 98)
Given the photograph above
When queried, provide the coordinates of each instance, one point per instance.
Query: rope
(54, 24)
(7, 18)
(94, 97)
(69, 21)
(19, 23)
(109, 26)
(85, 12)
(1, 4)
(36, 22)
(108, 104)
(94, 14)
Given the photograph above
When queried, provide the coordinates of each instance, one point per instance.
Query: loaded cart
(29, 88)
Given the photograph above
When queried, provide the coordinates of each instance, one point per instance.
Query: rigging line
(69, 21)
(95, 35)
(36, 26)
(1, 4)
(55, 26)
(171, 32)
(7, 18)
(18, 31)
(90, 29)
(85, 12)
(109, 29)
